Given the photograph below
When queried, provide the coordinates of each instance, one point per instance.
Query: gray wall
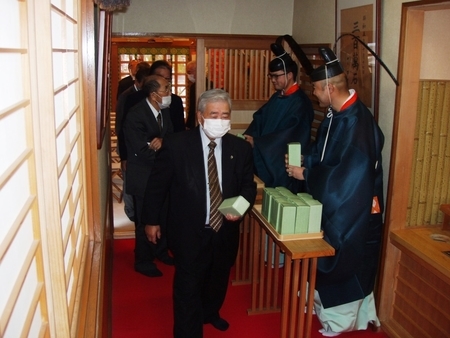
(262, 17)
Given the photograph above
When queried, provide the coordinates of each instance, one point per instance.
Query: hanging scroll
(359, 18)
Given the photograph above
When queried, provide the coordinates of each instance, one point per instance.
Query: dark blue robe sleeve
(280, 121)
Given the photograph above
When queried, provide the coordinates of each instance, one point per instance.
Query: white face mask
(216, 128)
(166, 101)
(191, 78)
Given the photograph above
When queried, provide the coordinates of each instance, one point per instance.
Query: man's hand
(155, 144)
(294, 171)
(232, 218)
(249, 139)
(153, 232)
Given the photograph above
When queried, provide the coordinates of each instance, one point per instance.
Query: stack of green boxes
(289, 213)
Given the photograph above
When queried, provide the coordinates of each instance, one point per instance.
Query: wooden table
(299, 271)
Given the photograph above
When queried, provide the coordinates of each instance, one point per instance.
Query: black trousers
(145, 252)
(200, 285)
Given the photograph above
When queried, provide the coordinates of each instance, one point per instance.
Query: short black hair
(151, 84)
(142, 73)
(160, 64)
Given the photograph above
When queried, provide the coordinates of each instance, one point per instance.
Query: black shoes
(166, 259)
(219, 323)
(149, 271)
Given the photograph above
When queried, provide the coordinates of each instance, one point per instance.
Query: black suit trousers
(200, 285)
(145, 252)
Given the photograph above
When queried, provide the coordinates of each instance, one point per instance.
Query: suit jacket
(132, 98)
(180, 171)
(177, 114)
(140, 128)
(191, 117)
(120, 108)
(124, 84)
(126, 100)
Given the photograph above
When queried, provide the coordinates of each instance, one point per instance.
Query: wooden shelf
(304, 246)
(418, 243)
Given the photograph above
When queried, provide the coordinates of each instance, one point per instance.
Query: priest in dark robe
(285, 118)
(343, 170)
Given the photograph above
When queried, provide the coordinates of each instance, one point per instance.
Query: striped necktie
(158, 118)
(215, 217)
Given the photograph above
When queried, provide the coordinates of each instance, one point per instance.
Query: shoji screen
(42, 177)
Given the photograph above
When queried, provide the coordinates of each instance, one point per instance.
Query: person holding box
(285, 118)
(198, 168)
(343, 171)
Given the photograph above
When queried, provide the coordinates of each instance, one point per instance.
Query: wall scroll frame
(103, 50)
(362, 19)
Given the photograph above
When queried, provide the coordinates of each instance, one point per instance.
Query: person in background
(191, 71)
(126, 100)
(163, 68)
(204, 246)
(285, 118)
(343, 170)
(146, 124)
(128, 81)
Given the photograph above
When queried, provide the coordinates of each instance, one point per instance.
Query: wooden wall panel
(43, 171)
(429, 186)
(422, 300)
(417, 182)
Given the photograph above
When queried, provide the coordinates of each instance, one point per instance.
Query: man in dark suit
(191, 72)
(128, 81)
(126, 100)
(163, 68)
(203, 254)
(145, 126)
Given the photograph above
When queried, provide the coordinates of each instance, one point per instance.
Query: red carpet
(142, 306)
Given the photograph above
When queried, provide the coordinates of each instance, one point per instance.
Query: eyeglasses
(275, 76)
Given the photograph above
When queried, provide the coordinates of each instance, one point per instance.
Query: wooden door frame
(118, 42)
(411, 37)
(196, 42)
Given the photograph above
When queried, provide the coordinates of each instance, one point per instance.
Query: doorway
(237, 64)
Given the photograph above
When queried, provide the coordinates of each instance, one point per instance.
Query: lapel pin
(231, 157)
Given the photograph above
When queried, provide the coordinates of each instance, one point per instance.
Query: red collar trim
(292, 90)
(351, 99)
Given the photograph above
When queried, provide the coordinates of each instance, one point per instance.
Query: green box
(268, 194)
(295, 153)
(305, 196)
(285, 192)
(236, 206)
(286, 221)
(302, 215)
(315, 215)
(275, 211)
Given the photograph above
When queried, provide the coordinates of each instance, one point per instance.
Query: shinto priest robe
(280, 120)
(345, 182)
